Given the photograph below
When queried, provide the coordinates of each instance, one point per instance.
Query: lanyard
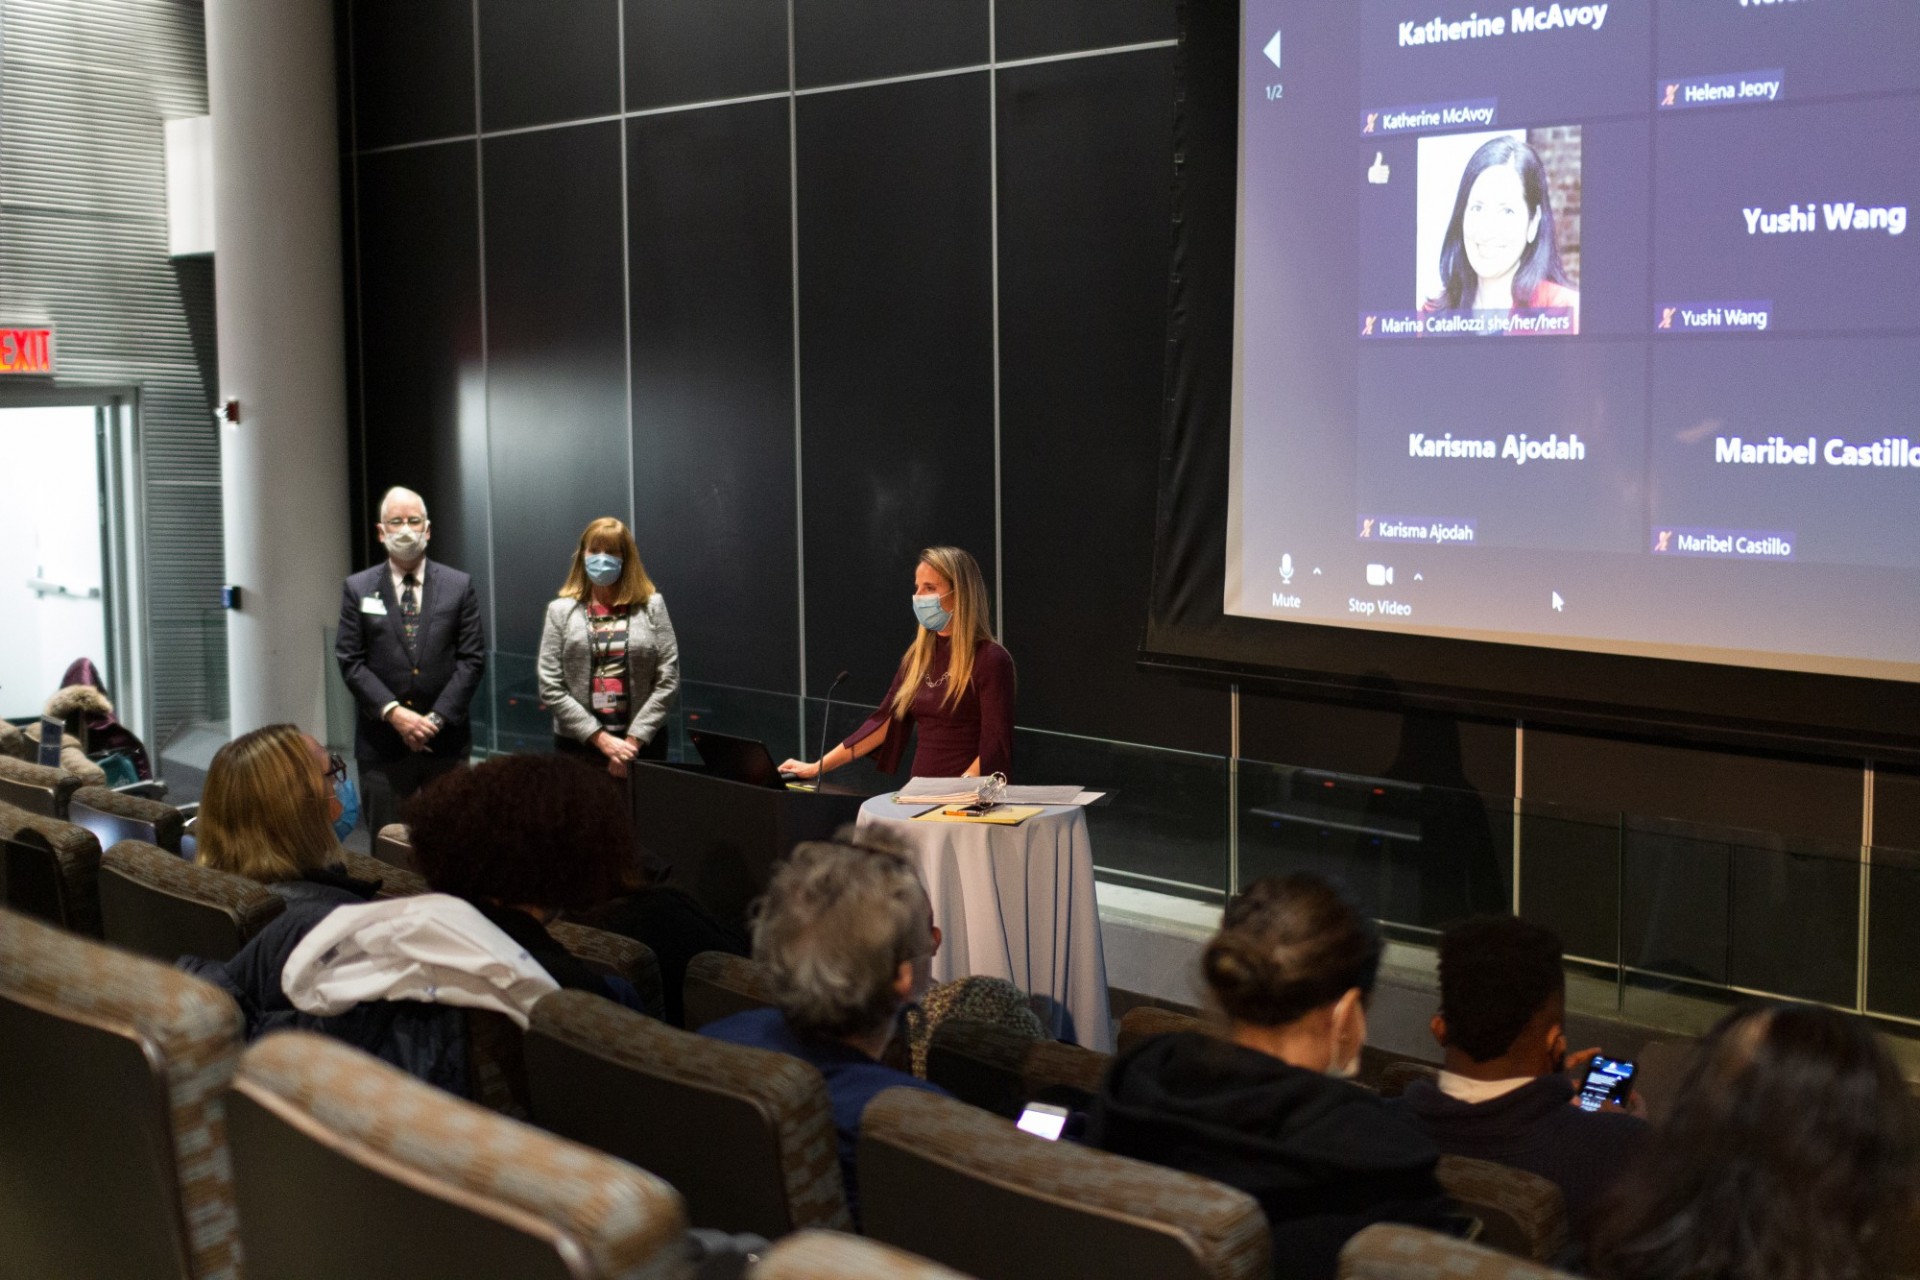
(603, 654)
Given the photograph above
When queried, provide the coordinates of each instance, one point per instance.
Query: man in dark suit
(412, 649)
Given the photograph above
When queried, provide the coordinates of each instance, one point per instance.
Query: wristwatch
(439, 721)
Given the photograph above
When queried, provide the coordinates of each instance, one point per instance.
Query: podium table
(1014, 903)
(722, 837)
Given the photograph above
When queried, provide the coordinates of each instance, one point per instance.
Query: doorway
(66, 590)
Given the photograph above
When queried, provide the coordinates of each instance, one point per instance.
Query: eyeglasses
(336, 769)
(406, 522)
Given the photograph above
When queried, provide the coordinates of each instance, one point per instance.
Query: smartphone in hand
(1609, 1080)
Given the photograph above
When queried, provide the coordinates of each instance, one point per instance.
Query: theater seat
(36, 788)
(1520, 1213)
(829, 1255)
(344, 1166)
(393, 844)
(719, 985)
(1000, 1070)
(166, 907)
(1393, 1252)
(1389, 1073)
(112, 1161)
(616, 955)
(1662, 1065)
(952, 1183)
(745, 1135)
(113, 816)
(1395, 1076)
(395, 882)
(1147, 1021)
(50, 869)
(496, 1057)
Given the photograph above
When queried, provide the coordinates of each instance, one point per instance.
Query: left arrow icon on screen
(1273, 49)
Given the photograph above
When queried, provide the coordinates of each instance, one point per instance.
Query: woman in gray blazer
(609, 663)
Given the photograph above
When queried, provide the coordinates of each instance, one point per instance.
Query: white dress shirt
(398, 573)
(1469, 1091)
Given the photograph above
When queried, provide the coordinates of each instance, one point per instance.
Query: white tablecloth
(1014, 903)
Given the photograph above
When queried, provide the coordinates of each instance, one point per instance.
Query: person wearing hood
(1505, 1090)
(412, 649)
(609, 661)
(73, 705)
(1269, 1107)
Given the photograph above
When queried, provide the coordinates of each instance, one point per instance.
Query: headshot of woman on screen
(1499, 252)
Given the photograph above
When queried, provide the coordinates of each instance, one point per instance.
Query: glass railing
(1664, 921)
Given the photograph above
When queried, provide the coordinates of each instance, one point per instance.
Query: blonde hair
(839, 918)
(634, 589)
(263, 811)
(971, 629)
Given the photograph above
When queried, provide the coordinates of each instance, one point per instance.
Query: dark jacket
(676, 929)
(439, 673)
(424, 1040)
(853, 1079)
(1533, 1128)
(561, 964)
(1324, 1157)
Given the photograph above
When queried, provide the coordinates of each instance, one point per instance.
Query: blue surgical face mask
(349, 797)
(931, 615)
(603, 569)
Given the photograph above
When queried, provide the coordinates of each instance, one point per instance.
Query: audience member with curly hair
(1505, 1085)
(1789, 1154)
(524, 838)
(1270, 1108)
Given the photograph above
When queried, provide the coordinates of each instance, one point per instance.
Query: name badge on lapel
(373, 605)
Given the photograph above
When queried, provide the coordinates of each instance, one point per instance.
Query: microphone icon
(1286, 569)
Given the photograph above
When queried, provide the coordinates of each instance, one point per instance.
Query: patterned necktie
(409, 611)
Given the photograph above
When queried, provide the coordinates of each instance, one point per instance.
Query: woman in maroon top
(955, 683)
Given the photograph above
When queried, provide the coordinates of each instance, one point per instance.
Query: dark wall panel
(425, 405)
(1379, 741)
(680, 52)
(896, 358)
(556, 360)
(1817, 799)
(1034, 28)
(837, 41)
(548, 60)
(713, 387)
(412, 70)
(1085, 164)
(1896, 808)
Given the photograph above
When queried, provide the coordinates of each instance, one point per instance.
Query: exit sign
(25, 350)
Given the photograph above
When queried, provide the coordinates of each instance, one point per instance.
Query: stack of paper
(1041, 795)
(967, 791)
(940, 791)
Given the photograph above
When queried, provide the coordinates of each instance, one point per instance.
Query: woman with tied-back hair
(1269, 1107)
(956, 683)
(1500, 252)
(1789, 1153)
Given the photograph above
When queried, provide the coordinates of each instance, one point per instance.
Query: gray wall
(84, 88)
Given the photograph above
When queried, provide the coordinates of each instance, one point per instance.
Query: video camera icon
(1379, 575)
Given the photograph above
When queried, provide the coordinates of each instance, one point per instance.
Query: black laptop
(737, 759)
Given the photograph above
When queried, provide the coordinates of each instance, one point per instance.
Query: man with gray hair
(845, 933)
(412, 650)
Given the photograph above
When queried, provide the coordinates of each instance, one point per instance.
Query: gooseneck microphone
(826, 714)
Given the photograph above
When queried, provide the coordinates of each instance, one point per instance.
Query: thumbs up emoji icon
(1378, 170)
